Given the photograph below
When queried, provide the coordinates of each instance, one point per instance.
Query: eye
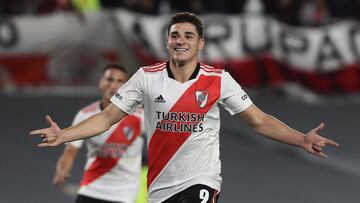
(189, 36)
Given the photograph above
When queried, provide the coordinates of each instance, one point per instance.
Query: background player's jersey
(113, 162)
(182, 123)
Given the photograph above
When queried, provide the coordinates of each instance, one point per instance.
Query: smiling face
(111, 81)
(184, 43)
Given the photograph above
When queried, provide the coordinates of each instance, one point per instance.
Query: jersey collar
(193, 75)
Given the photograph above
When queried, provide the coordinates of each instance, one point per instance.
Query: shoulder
(154, 68)
(87, 111)
(93, 107)
(211, 70)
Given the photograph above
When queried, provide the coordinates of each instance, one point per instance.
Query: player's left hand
(314, 143)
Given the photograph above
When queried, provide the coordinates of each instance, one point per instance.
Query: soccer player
(181, 103)
(112, 172)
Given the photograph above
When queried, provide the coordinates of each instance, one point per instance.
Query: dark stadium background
(255, 169)
(57, 76)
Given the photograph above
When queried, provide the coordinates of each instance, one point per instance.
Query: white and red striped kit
(112, 170)
(182, 124)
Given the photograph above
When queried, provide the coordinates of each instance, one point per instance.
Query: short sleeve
(130, 95)
(233, 98)
(78, 118)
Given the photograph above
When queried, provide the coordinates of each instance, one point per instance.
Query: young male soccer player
(181, 103)
(112, 170)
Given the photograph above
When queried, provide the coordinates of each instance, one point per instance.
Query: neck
(105, 102)
(182, 71)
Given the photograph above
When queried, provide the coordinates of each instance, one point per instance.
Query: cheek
(168, 45)
(119, 85)
(106, 87)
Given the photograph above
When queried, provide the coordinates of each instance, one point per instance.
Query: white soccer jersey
(112, 170)
(182, 124)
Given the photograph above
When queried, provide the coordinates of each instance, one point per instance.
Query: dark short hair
(187, 17)
(115, 66)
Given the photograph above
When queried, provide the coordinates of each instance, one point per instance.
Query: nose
(113, 85)
(117, 85)
(180, 40)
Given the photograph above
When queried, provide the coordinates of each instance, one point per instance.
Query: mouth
(181, 50)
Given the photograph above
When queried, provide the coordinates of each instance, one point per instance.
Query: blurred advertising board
(67, 48)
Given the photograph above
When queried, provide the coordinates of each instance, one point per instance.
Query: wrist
(63, 137)
(303, 143)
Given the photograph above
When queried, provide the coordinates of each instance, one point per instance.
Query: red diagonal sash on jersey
(163, 146)
(102, 165)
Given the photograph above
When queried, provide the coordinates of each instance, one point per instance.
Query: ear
(201, 43)
(167, 42)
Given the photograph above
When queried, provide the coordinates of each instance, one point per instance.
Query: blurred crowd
(293, 12)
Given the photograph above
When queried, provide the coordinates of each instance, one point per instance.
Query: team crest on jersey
(202, 98)
(128, 132)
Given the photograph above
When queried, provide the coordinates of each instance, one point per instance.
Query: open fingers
(331, 142)
(321, 154)
(46, 144)
(43, 145)
(319, 128)
(317, 148)
(319, 144)
(50, 121)
(48, 139)
(317, 151)
(38, 131)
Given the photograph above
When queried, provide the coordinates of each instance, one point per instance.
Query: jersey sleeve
(130, 95)
(78, 118)
(233, 98)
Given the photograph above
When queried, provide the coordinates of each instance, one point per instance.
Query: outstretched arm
(64, 165)
(271, 127)
(96, 124)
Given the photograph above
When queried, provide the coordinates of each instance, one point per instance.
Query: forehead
(112, 72)
(183, 28)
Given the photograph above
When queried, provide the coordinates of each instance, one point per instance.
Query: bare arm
(272, 128)
(95, 125)
(65, 164)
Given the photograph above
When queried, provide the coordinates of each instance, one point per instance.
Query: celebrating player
(112, 171)
(181, 101)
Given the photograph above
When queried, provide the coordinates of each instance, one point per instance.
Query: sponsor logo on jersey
(180, 121)
(159, 99)
(117, 95)
(111, 150)
(201, 98)
(244, 97)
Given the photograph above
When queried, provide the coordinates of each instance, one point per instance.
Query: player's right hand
(51, 136)
(60, 177)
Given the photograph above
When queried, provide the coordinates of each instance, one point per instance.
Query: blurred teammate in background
(181, 103)
(112, 170)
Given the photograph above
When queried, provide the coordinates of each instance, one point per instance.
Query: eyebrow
(186, 33)
(189, 33)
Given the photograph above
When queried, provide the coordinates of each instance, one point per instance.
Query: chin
(180, 59)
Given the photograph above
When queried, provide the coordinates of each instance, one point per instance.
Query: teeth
(180, 49)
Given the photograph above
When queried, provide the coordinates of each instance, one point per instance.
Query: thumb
(48, 119)
(51, 122)
(320, 127)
